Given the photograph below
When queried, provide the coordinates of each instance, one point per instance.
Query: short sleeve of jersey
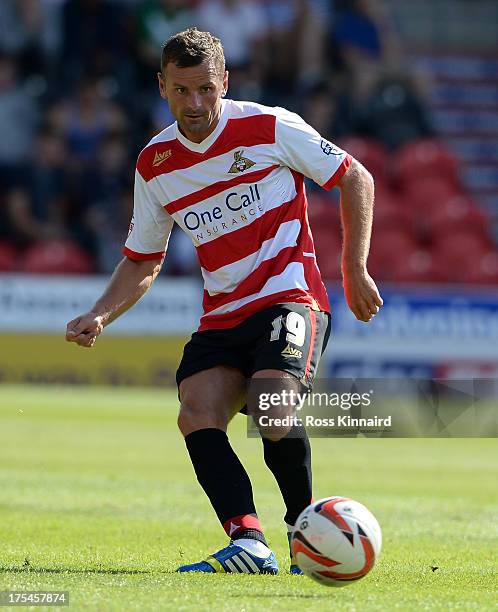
(301, 148)
(151, 225)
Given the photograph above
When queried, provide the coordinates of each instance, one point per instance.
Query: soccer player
(231, 175)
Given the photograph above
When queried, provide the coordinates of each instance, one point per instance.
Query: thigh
(210, 398)
(291, 338)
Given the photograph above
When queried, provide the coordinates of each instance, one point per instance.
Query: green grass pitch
(97, 497)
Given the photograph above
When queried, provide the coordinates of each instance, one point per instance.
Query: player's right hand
(85, 329)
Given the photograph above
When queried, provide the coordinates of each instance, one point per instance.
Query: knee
(274, 435)
(197, 414)
(190, 417)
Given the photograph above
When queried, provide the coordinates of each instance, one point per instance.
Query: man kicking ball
(231, 174)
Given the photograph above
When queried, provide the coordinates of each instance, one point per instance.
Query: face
(194, 97)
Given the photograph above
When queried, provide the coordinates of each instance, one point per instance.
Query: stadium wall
(143, 347)
(425, 331)
(422, 332)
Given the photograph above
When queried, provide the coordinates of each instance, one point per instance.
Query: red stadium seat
(485, 270)
(456, 214)
(372, 154)
(385, 196)
(416, 266)
(387, 248)
(458, 254)
(328, 247)
(422, 198)
(428, 193)
(329, 260)
(8, 257)
(391, 214)
(323, 211)
(425, 158)
(57, 257)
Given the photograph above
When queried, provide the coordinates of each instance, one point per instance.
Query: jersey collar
(202, 147)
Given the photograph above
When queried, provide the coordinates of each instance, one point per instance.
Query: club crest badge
(329, 149)
(241, 163)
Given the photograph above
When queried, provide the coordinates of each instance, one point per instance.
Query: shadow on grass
(69, 570)
(131, 572)
(286, 595)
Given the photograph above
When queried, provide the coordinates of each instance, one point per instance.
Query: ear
(162, 86)
(225, 84)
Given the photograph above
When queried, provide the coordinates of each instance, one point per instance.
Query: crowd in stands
(78, 100)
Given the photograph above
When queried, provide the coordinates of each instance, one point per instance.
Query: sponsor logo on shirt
(329, 149)
(292, 352)
(241, 163)
(236, 209)
(246, 202)
(159, 158)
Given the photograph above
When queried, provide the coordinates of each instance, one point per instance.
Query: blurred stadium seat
(388, 247)
(457, 254)
(391, 212)
(418, 185)
(485, 270)
(416, 266)
(56, 257)
(455, 214)
(425, 158)
(372, 154)
(328, 247)
(428, 191)
(322, 211)
(8, 257)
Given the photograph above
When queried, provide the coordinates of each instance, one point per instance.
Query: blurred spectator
(241, 26)
(18, 118)
(181, 258)
(157, 20)
(96, 40)
(108, 199)
(110, 219)
(364, 32)
(281, 55)
(36, 205)
(336, 62)
(312, 20)
(20, 26)
(327, 111)
(393, 113)
(366, 44)
(85, 119)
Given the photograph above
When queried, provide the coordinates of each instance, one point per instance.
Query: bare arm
(357, 200)
(130, 281)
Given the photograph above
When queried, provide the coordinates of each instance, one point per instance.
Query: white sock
(255, 547)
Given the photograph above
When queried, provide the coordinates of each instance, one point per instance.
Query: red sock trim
(244, 521)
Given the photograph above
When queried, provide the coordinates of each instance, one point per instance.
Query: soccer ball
(336, 541)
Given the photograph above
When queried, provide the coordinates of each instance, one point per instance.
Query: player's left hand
(361, 294)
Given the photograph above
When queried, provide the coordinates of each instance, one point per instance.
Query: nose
(195, 101)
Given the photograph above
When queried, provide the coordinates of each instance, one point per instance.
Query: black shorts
(288, 337)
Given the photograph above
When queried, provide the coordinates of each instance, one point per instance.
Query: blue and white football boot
(243, 556)
(294, 567)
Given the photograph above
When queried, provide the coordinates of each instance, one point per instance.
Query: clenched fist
(85, 329)
(362, 295)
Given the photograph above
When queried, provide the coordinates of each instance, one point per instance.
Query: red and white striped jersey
(239, 195)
